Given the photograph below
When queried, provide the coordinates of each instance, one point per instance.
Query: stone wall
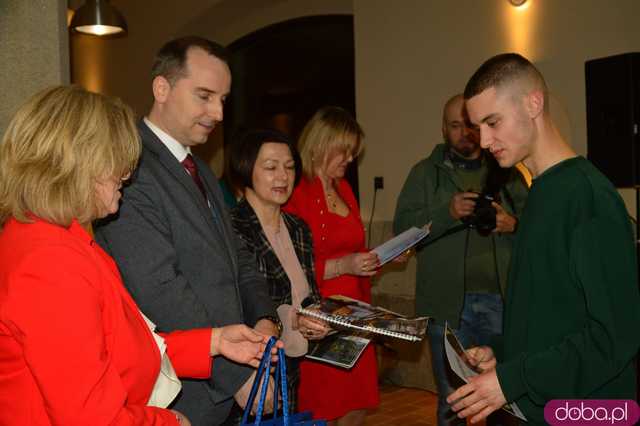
(34, 51)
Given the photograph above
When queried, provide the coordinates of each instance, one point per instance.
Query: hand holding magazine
(460, 365)
(401, 243)
(346, 313)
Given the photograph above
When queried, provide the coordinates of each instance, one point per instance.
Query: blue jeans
(480, 321)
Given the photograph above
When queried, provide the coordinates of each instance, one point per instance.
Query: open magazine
(340, 349)
(400, 243)
(345, 313)
(461, 366)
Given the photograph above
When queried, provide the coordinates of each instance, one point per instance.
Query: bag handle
(264, 365)
(280, 381)
(276, 387)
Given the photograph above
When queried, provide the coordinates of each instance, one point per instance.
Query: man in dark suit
(173, 238)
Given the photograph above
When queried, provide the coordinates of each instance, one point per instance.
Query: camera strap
(448, 232)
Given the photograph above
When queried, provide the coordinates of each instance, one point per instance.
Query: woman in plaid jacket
(266, 166)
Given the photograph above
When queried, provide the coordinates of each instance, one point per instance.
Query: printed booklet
(342, 312)
(401, 243)
(340, 349)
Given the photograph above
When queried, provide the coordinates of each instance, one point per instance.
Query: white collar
(176, 148)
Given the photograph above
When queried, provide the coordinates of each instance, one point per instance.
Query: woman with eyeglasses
(74, 347)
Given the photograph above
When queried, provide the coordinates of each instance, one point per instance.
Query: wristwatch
(274, 320)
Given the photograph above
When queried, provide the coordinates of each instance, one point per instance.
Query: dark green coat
(425, 197)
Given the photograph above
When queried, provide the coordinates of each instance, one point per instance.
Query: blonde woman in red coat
(75, 349)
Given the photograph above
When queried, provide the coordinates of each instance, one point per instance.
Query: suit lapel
(171, 164)
(223, 222)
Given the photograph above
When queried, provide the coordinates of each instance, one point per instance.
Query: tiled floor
(404, 407)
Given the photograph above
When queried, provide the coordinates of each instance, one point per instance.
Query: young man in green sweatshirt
(461, 274)
(572, 311)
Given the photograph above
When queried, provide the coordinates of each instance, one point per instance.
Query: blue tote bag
(280, 389)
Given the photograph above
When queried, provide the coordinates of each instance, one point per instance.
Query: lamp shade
(98, 17)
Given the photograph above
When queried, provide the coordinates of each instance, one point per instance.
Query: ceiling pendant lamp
(99, 18)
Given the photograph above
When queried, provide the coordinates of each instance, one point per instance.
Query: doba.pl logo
(587, 412)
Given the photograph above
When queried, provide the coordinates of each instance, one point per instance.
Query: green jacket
(425, 197)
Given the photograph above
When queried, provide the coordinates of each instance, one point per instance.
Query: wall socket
(378, 183)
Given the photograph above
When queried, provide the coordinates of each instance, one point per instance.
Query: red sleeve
(54, 310)
(301, 204)
(190, 352)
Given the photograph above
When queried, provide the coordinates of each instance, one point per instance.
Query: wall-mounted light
(519, 5)
(98, 17)
(521, 24)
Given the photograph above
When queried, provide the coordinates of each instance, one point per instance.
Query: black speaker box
(613, 115)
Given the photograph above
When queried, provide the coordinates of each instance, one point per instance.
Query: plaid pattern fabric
(247, 226)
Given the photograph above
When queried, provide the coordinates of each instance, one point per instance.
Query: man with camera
(462, 267)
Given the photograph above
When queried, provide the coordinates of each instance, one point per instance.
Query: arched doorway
(284, 72)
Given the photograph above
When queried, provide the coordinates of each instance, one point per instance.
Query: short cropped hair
(170, 61)
(501, 70)
(245, 147)
(331, 129)
(56, 147)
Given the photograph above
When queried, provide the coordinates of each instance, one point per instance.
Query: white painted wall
(411, 57)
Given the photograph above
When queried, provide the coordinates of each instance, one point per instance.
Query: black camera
(483, 218)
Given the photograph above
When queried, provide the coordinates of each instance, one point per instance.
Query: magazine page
(401, 243)
(338, 349)
(460, 365)
(344, 312)
(457, 357)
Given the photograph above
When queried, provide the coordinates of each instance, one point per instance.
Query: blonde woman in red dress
(324, 199)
